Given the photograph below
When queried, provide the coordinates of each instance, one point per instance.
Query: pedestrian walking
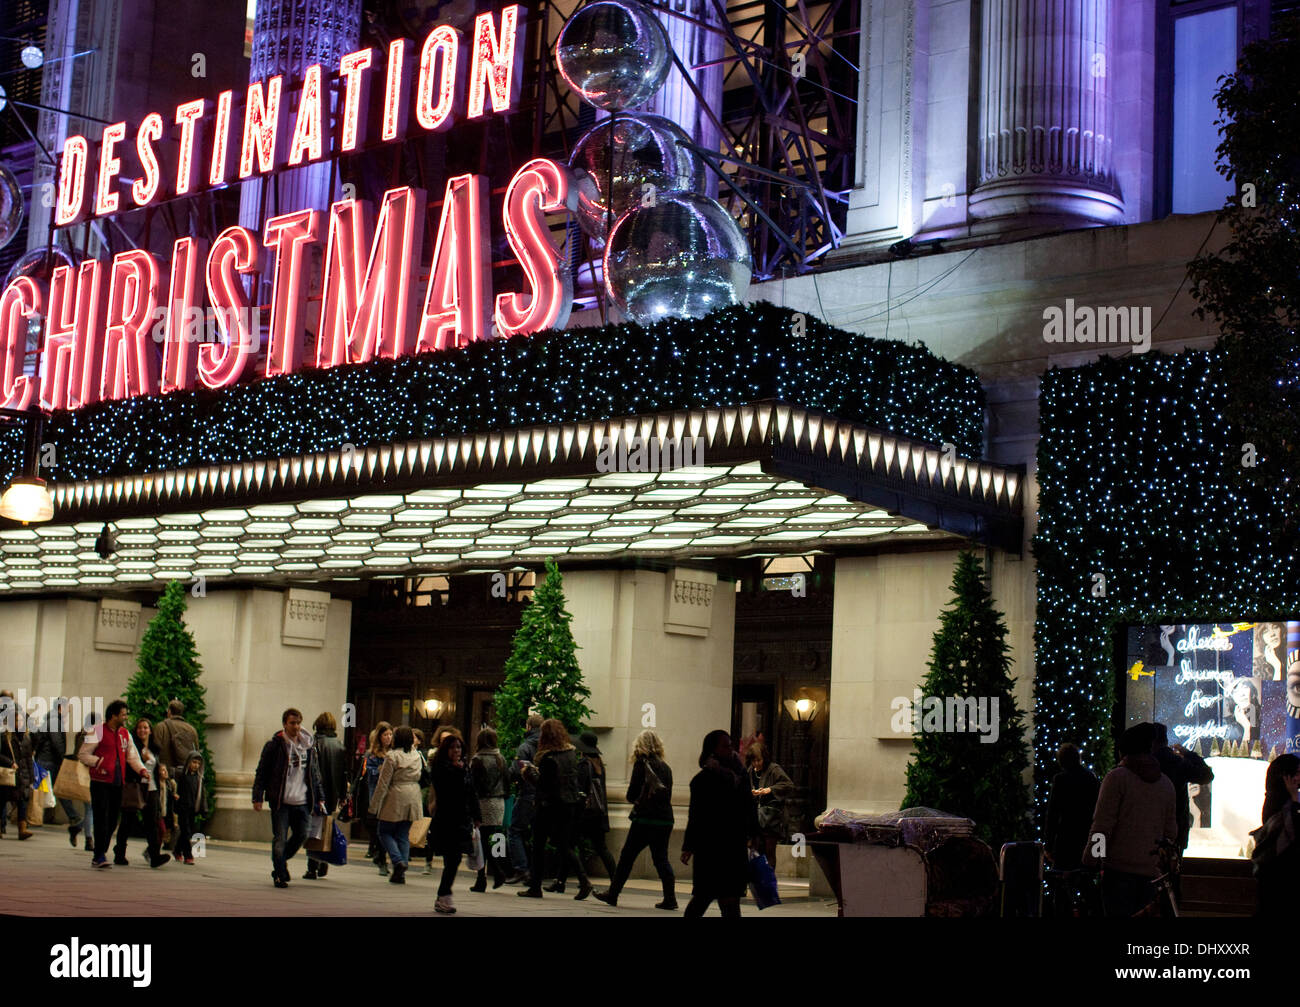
(395, 802)
(191, 802)
(55, 743)
(333, 777)
(650, 792)
(112, 757)
(1070, 805)
(555, 775)
(593, 815)
(720, 824)
(15, 764)
(431, 793)
(771, 788)
(1277, 849)
(491, 780)
(1183, 768)
(288, 779)
(525, 808)
(381, 740)
(455, 816)
(176, 738)
(140, 800)
(1135, 811)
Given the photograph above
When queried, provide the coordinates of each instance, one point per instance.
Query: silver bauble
(614, 53)
(11, 206)
(645, 153)
(682, 257)
(39, 264)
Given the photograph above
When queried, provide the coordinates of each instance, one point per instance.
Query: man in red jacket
(109, 750)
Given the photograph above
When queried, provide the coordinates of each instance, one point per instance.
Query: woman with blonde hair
(650, 792)
(555, 775)
(381, 740)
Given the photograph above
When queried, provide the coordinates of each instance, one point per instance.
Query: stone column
(1046, 116)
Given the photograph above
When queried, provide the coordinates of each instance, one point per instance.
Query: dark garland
(735, 356)
(1141, 481)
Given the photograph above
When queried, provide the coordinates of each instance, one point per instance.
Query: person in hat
(593, 817)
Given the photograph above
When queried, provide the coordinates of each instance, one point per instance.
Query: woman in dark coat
(16, 754)
(720, 825)
(455, 815)
(1278, 877)
(650, 792)
(556, 778)
(771, 788)
(593, 816)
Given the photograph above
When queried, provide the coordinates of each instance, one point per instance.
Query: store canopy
(764, 479)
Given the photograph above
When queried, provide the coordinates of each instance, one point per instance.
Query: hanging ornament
(32, 57)
(681, 257)
(11, 206)
(39, 264)
(647, 160)
(614, 53)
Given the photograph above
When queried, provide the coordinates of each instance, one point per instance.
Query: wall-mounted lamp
(801, 710)
(27, 499)
(432, 708)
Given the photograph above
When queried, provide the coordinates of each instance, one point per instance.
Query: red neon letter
(458, 305)
(187, 115)
(495, 59)
(106, 197)
(220, 139)
(540, 187)
(262, 121)
(356, 93)
(288, 235)
(130, 364)
(435, 93)
(72, 361)
(361, 321)
(145, 188)
(235, 251)
(397, 92)
(72, 181)
(184, 320)
(21, 300)
(307, 129)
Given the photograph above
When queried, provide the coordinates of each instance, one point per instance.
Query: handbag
(133, 796)
(8, 776)
(762, 881)
(73, 781)
(476, 861)
(320, 833)
(419, 833)
(651, 786)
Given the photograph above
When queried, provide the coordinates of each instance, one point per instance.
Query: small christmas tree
(961, 771)
(1257, 749)
(168, 668)
(542, 673)
(1272, 753)
(1215, 750)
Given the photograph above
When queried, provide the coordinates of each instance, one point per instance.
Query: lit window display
(1229, 692)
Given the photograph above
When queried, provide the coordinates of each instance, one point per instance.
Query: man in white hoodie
(288, 778)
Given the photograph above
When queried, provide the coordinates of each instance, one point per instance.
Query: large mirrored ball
(614, 53)
(680, 258)
(11, 206)
(647, 160)
(39, 264)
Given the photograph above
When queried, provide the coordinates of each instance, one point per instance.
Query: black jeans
(729, 908)
(594, 834)
(1124, 894)
(131, 825)
(450, 865)
(106, 806)
(638, 838)
(499, 866)
(555, 822)
(184, 833)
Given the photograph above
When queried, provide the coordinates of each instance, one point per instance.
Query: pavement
(44, 876)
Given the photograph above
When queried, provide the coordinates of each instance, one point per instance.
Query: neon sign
(103, 320)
